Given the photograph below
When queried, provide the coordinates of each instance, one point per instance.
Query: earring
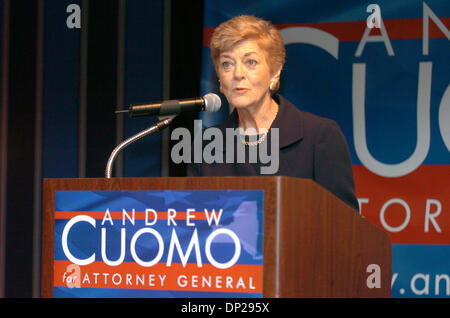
(220, 87)
(271, 86)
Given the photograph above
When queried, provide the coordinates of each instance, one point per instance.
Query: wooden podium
(314, 245)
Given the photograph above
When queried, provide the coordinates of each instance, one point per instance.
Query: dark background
(47, 78)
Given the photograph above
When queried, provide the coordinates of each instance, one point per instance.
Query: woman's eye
(252, 62)
(226, 64)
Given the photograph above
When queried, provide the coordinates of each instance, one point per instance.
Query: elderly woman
(248, 55)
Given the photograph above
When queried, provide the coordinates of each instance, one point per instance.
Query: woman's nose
(239, 70)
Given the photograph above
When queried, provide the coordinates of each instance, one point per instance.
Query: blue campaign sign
(420, 271)
(201, 243)
(381, 71)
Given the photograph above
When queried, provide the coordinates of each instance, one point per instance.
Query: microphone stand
(155, 128)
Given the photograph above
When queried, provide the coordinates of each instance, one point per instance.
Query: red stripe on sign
(139, 215)
(413, 209)
(397, 29)
(238, 278)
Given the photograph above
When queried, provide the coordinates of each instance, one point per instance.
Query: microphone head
(212, 102)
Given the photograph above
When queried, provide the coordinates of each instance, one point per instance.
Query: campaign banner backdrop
(381, 71)
(200, 243)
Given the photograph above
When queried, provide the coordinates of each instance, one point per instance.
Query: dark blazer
(310, 147)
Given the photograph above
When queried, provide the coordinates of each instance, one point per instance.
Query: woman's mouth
(240, 90)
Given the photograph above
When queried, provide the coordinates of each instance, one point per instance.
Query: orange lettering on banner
(130, 275)
(413, 209)
(398, 29)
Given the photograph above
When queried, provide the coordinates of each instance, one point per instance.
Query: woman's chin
(240, 102)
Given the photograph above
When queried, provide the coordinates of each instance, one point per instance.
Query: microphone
(210, 103)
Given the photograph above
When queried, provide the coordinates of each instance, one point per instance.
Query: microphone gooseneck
(152, 129)
(169, 109)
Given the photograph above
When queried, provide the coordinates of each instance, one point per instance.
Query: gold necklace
(256, 142)
(262, 138)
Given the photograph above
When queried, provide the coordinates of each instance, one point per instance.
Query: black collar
(289, 121)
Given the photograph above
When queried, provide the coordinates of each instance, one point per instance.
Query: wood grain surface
(314, 244)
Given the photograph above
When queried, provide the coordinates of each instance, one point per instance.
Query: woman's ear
(275, 81)
(276, 76)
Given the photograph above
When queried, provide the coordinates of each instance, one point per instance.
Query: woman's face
(244, 74)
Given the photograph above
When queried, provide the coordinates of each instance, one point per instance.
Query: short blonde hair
(245, 27)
